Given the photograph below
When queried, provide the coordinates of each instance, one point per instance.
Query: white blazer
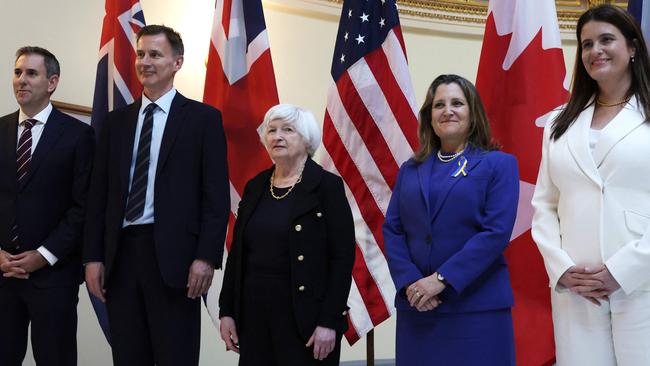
(594, 209)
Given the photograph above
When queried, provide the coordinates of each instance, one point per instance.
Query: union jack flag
(116, 84)
(240, 83)
(370, 129)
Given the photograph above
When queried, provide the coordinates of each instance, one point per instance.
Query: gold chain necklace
(603, 104)
(286, 193)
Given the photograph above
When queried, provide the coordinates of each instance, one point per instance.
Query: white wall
(302, 36)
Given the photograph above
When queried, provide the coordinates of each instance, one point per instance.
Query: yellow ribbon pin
(462, 163)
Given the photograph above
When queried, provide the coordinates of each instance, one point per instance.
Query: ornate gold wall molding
(475, 11)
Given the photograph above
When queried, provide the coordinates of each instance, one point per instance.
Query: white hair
(302, 119)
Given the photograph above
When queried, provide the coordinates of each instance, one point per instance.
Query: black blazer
(321, 234)
(191, 192)
(50, 203)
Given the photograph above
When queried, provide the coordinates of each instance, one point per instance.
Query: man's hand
(323, 339)
(8, 269)
(30, 261)
(95, 279)
(200, 278)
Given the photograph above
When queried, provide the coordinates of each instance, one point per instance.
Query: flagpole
(370, 348)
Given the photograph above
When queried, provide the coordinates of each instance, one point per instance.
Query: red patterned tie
(23, 157)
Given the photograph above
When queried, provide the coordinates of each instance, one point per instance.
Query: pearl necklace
(448, 158)
(287, 192)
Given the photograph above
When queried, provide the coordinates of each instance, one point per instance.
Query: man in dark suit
(157, 213)
(45, 164)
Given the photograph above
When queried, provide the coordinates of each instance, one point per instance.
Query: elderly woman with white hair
(287, 278)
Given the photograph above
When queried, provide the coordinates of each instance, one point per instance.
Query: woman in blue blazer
(448, 222)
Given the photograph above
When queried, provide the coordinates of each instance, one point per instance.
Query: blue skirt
(455, 339)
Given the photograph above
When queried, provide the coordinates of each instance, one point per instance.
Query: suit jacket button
(298, 227)
(428, 239)
(301, 288)
(301, 258)
(319, 214)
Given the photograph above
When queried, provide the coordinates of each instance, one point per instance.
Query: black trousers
(268, 333)
(150, 322)
(52, 313)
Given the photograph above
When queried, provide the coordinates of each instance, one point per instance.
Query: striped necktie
(24, 150)
(23, 158)
(138, 191)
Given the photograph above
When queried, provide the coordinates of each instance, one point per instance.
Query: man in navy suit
(157, 213)
(45, 165)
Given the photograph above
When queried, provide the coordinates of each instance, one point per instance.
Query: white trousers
(616, 333)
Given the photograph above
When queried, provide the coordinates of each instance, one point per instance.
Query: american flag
(370, 129)
(116, 84)
(240, 83)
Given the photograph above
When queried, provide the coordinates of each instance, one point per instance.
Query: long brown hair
(479, 128)
(584, 87)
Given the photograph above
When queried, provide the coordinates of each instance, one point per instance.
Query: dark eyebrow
(27, 70)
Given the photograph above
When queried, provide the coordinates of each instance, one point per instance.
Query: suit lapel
(311, 177)
(252, 199)
(424, 177)
(127, 138)
(8, 141)
(50, 135)
(578, 141)
(473, 157)
(175, 120)
(628, 119)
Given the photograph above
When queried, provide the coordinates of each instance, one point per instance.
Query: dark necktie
(138, 191)
(23, 157)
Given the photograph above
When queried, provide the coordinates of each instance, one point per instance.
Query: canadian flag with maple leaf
(521, 78)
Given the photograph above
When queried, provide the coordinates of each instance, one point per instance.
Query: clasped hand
(423, 293)
(22, 264)
(594, 283)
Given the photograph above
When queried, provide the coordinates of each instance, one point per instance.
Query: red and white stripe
(370, 129)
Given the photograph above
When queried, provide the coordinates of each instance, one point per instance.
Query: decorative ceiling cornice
(475, 11)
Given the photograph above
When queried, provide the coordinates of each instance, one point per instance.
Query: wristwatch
(442, 279)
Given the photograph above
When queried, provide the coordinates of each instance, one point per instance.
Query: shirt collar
(164, 102)
(41, 116)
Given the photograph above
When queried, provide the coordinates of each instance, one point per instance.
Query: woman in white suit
(592, 200)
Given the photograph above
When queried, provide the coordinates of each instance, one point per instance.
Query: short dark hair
(173, 37)
(479, 134)
(584, 87)
(51, 63)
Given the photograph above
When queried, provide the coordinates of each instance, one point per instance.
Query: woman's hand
(582, 281)
(602, 275)
(228, 332)
(323, 339)
(423, 293)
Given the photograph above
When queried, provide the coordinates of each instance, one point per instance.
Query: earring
(632, 59)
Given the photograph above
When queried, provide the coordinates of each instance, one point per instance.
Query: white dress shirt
(37, 130)
(160, 115)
